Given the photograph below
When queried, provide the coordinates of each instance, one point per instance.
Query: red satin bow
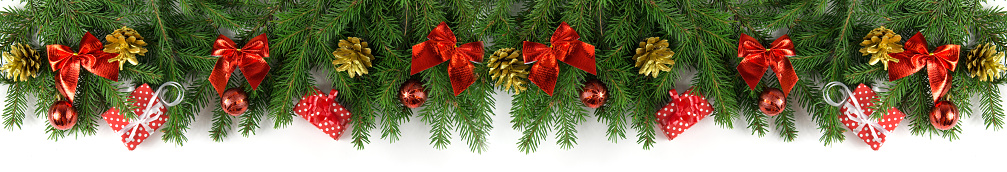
(916, 57)
(685, 106)
(248, 58)
(68, 63)
(322, 105)
(758, 59)
(565, 47)
(442, 47)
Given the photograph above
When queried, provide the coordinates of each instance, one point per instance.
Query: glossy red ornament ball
(234, 101)
(944, 115)
(412, 94)
(594, 94)
(772, 101)
(62, 116)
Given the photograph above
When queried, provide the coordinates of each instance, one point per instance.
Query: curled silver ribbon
(861, 118)
(148, 114)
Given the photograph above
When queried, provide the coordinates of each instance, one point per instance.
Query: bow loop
(758, 59)
(248, 58)
(916, 57)
(566, 48)
(68, 64)
(442, 47)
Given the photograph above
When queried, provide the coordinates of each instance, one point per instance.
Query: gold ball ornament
(878, 43)
(653, 57)
(509, 71)
(353, 56)
(234, 101)
(62, 116)
(22, 62)
(127, 43)
(984, 61)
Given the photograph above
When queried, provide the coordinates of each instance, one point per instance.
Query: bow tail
(940, 81)
(220, 74)
(581, 55)
(66, 81)
(425, 56)
(751, 70)
(255, 69)
(461, 74)
(544, 74)
(786, 75)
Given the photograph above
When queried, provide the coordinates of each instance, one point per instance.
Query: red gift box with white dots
(682, 112)
(889, 120)
(324, 112)
(139, 97)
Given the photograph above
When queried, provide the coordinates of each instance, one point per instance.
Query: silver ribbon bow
(149, 114)
(861, 117)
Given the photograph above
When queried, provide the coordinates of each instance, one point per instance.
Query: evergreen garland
(303, 33)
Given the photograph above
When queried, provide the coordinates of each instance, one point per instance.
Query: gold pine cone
(984, 62)
(127, 43)
(508, 70)
(352, 56)
(22, 61)
(878, 43)
(654, 57)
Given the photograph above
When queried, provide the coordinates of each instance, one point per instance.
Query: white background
(301, 146)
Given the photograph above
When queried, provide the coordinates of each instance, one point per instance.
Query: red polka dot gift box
(324, 112)
(150, 112)
(872, 131)
(682, 112)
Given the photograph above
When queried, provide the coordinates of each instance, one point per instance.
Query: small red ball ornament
(412, 94)
(62, 116)
(234, 101)
(772, 101)
(594, 94)
(944, 115)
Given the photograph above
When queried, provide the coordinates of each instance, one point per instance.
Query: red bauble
(594, 94)
(412, 94)
(234, 101)
(62, 116)
(772, 101)
(944, 115)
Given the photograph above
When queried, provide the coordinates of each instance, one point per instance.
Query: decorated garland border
(145, 66)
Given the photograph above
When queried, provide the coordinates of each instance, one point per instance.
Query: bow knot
(757, 59)
(916, 57)
(684, 106)
(68, 63)
(564, 47)
(442, 47)
(248, 58)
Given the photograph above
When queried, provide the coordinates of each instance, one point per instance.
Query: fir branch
(221, 125)
(989, 103)
(785, 125)
(439, 109)
(567, 107)
(16, 102)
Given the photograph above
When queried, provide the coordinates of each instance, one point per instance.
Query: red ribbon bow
(682, 112)
(565, 47)
(248, 58)
(442, 47)
(758, 59)
(68, 63)
(916, 57)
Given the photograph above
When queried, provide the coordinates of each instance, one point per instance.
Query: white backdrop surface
(301, 146)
